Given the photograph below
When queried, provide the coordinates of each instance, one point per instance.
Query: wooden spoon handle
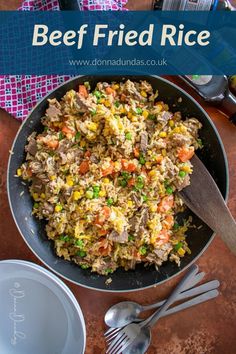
(205, 200)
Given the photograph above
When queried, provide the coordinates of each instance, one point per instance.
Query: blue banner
(153, 42)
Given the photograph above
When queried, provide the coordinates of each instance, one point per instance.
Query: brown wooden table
(208, 328)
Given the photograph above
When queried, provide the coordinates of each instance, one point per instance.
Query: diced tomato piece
(185, 154)
(84, 167)
(83, 91)
(166, 204)
(128, 166)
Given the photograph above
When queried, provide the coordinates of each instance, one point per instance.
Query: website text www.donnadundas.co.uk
(118, 62)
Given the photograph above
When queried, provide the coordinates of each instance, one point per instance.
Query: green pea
(178, 246)
(36, 205)
(169, 190)
(145, 198)
(110, 201)
(108, 270)
(143, 250)
(97, 93)
(130, 237)
(65, 238)
(81, 253)
(142, 160)
(139, 110)
(117, 104)
(128, 136)
(79, 243)
(182, 174)
(84, 266)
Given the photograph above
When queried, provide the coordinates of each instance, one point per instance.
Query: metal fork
(127, 334)
(201, 289)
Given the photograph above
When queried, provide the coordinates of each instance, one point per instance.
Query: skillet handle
(229, 104)
(69, 5)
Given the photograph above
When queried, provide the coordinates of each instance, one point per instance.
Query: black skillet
(33, 230)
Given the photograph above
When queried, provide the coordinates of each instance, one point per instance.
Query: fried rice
(105, 173)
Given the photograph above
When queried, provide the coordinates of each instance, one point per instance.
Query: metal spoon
(125, 312)
(142, 341)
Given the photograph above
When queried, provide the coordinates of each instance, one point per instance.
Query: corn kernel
(181, 251)
(102, 100)
(107, 103)
(122, 110)
(162, 135)
(183, 129)
(76, 195)
(152, 173)
(52, 178)
(102, 193)
(171, 123)
(145, 113)
(58, 208)
(163, 152)
(42, 195)
(82, 143)
(35, 196)
(113, 111)
(19, 172)
(116, 86)
(69, 181)
(92, 126)
(186, 168)
(130, 115)
(158, 108)
(153, 208)
(148, 165)
(149, 152)
(130, 203)
(106, 180)
(134, 118)
(143, 93)
(176, 130)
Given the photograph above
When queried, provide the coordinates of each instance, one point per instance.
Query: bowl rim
(182, 91)
(67, 291)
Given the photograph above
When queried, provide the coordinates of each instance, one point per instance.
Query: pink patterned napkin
(20, 93)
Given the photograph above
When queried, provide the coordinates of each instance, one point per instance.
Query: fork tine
(124, 345)
(111, 338)
(111, 333)
(120, 336)
(119, 344)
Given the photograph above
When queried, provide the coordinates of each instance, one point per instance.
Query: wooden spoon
(204, 198)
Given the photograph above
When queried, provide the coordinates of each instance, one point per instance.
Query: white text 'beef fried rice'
(104, 174)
